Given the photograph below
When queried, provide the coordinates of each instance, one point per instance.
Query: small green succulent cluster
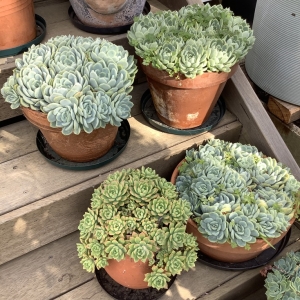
(191, 41)
(137, 213)
(283, 282)
(80, 83)
(237, 194)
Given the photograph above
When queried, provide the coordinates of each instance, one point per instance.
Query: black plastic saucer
(40, 34)
(102, 30)
(150, 114)
(120, 292)
(118, 147)
(256, 262)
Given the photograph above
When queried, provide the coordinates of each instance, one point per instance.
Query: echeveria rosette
(118, 224)
(158, 278)
(63, 114)
(115, 249)
(37, 54)
(68, 67)
(283, 281)
(120, 108)
(175, 262)
(31, 79)
(9, 92)
(241, 230)
(213, 226)
(67, 84)
(212, 38)
(68, 59)
(141, 247)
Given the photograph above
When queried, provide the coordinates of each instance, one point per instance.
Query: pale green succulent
(236, 193)
(191, 41)
(82, 84)
(135, 212)
(283, 281)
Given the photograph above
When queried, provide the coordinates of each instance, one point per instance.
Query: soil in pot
(78, 148)
(185, 103)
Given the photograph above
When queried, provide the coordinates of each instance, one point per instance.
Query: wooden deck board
(30, 176)
(243, 285)
(22, 230)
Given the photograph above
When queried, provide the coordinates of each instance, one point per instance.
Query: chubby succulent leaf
(158, 278)
(115, 249)
(192, 41)
(88, 264)
(175, 262)
(141, 247)
(82, 84)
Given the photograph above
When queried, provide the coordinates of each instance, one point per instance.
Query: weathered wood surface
(258, 128)
(34, 192)
(285, 111)
(54, 269)
(247, 282)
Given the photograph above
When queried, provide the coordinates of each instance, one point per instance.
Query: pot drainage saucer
(102, 30)
(150, 114)
(118, 147)
(40, 34)
(120, 292)
(256, 262)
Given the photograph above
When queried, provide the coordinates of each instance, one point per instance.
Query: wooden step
(242, 287)
(54, 272)
(284, 111)
(34, 192)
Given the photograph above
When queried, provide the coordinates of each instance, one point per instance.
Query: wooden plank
(24, 230)
(258, 127)
(31, 177)
(243, 285)
(286, 112)
(44, 273)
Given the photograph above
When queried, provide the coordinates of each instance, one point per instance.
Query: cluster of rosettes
(193, 40)
(283, 282)
(237, 194)
(138, 213)
(80, 83)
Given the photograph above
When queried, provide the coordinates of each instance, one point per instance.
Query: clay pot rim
(183, 82)
(259, 241)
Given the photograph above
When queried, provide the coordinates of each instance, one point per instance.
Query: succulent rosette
(191, 41)
(132, 215)
(282, 278)
(82, 84)
(237, 194)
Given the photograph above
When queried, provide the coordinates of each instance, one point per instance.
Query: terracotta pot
(224, 252)
(78, 148)
(185, 103)
(128, 273)
(17, 23)
(107, 14)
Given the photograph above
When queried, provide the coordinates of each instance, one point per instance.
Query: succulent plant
(282, 278)
(237, 194)
(82, 84)
(135, 212)
(191, 41)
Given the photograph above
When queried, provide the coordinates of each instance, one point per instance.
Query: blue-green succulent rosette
(237, 194)
(191, 41)
(82, 84)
